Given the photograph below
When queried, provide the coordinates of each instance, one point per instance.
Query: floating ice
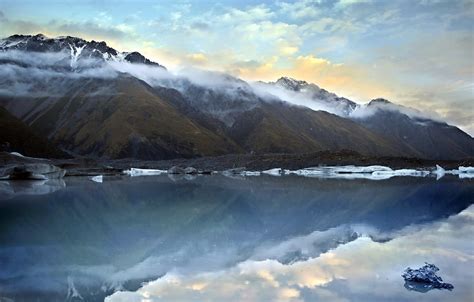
(251, 173)
(466, 169)
(424, 279)
(274, 172)
(98, 178)
(144, 172)
(440, 172)
(357, 172)
(461, 172)
(374, 172)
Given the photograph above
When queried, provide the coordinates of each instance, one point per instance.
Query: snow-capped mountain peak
(340, 105)
(291, 84)
(78, 49)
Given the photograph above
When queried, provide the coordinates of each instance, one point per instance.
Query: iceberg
(466, 172)
(463, 169)
(274, 172)
(461, 172)
(424, 279)
(357, 172)
(439, 172)
(251, 173)
(143, 172)
(98, 178)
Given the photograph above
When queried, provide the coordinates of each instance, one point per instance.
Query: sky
(418, 53)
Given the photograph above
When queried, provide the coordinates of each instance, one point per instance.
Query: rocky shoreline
(249, 162)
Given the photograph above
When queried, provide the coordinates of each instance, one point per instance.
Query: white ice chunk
(98, 178)
(251, 173)
(144, 172)
(17, 154)
(357, 172)
(463, 169)
(439, 172)
(273, 172)
(403, 172)
(465, 172)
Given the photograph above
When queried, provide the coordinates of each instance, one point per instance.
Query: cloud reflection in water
(360, 270)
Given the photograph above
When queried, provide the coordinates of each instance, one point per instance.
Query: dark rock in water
(34, 171)
(176, 170)
(205, 172)
(190, 170)
(424, 279)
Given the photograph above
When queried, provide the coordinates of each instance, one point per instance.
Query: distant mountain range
(86, 98)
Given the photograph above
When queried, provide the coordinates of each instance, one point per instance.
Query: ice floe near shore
(356, 172)
(98, 178)
(374, 172)
(144, 172)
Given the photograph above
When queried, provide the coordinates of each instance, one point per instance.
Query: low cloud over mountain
(90, 99)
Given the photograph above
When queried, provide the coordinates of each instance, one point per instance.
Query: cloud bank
(33, 74)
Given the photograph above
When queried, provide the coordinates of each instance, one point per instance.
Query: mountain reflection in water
(256, 239)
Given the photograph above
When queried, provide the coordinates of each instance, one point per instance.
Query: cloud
(34, 74)
(300, 9)
(198, 58)
(250, 14)
(89, 28)
(388, 49)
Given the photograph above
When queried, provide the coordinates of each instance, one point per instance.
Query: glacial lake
(215, 238)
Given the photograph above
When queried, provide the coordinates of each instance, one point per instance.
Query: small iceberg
(251, 173)
(466, 172)
(144, 172)
(274, 172)
(357, 172)
(439, 172)
(469, 170)
(461, 172)
(424, 279)
(98, 178)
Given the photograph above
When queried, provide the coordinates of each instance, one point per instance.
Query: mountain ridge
(153, 114)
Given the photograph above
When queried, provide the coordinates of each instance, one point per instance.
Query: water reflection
(89, 240)
(10, 189)
(362, 270)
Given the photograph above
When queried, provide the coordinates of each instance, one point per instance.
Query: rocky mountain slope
(15, 135)
(92, 100)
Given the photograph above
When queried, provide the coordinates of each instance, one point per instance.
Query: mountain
(90, 99)
(425, 137)
(411, 130)
(317, 94)
(16, 136)
(79, 49)
(123, 118)
(268, 125)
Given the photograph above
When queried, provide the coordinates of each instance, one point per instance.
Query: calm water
(214, 238)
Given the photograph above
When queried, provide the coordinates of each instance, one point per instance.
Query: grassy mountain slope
(122, 118)
(424, 138)
(16, 136)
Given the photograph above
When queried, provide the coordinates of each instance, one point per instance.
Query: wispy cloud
(388, 49)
